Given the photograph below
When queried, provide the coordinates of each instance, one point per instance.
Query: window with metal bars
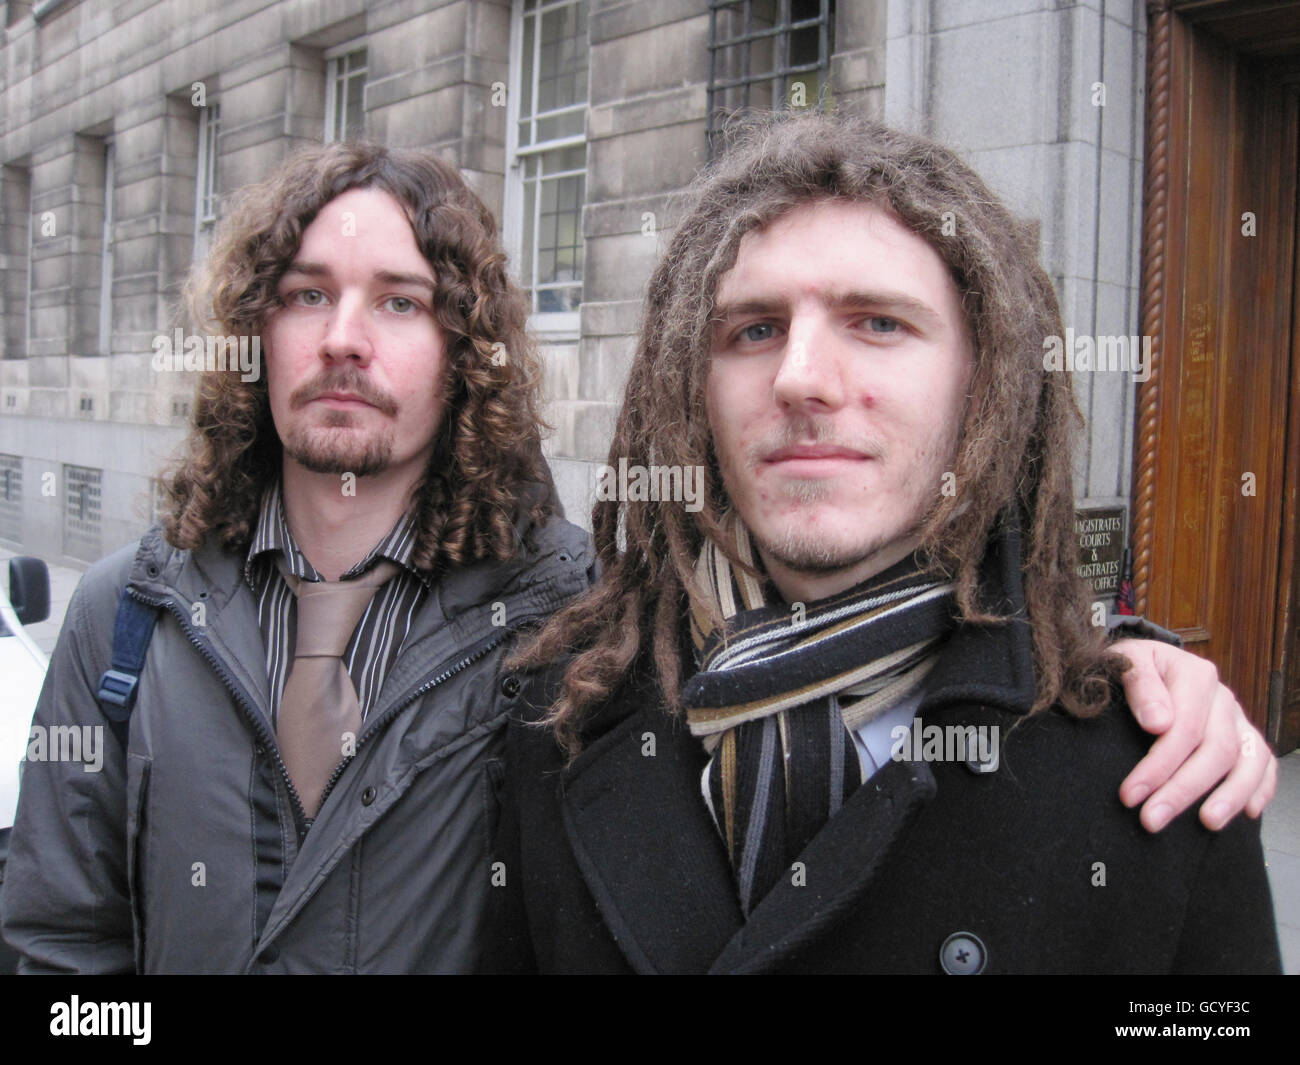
(11, 497)
(768, 55)
(81, 513)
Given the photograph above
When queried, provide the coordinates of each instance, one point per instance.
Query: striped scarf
(779, 688)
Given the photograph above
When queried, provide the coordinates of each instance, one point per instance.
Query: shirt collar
(272, 534)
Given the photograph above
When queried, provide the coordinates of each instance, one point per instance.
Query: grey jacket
(181, 854)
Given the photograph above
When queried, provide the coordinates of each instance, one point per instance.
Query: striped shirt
(375, 644)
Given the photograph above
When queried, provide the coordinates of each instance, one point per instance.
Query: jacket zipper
(255, 718)
(258, 721)
(374, 727)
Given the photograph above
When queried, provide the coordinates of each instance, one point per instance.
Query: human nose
(809, 377)
(347, 333)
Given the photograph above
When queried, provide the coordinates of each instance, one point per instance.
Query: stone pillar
(1063, 145)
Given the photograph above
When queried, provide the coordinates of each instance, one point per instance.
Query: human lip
(814, 453)
(342, 399)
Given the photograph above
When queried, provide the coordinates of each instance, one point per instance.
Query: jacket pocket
(138, 767)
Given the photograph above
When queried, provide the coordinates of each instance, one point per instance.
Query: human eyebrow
(307, 269)
(888, 304)
(728, 312)
(390, 277)
(310, 269)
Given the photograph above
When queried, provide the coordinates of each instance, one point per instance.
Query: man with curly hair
(350, 546)
(853, 714)
(293, 797)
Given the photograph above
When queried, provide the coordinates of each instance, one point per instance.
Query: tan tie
(319, 707)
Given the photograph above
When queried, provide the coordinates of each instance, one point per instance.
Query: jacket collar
(272, 534)
(552, 564)
(990, 665)
(650, 853)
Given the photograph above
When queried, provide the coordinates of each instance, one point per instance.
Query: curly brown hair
(1015, 444)
(486, 461)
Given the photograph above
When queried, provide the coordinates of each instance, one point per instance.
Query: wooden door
(1217, 458)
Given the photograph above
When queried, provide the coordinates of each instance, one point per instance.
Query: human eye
(756, 332)
(307, 297)
(882, 325)
(401, 304)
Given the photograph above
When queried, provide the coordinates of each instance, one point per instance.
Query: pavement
(1281, 829)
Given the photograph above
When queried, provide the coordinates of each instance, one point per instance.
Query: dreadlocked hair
(1014, 448)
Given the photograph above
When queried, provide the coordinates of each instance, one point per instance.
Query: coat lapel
(657, 870)
(834, 871)
(653, 860)
(647, 848)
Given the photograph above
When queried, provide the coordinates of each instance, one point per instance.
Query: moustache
(352, 382)
(811, 431)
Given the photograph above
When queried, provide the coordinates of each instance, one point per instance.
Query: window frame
(549, 325)
(206, 196)
(781, 70)
(333, 57)
(106, 251)
(31, 252)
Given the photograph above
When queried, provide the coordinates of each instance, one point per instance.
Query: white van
(22, 672)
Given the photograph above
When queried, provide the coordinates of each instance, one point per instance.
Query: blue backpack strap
(132, 631)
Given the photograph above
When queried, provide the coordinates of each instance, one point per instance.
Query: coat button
(368, 796)
(269, 956)
(962, 954)
(510, 686)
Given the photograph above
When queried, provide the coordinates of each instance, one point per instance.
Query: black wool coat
(613, 864)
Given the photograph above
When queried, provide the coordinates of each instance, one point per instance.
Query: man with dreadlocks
(729, 781)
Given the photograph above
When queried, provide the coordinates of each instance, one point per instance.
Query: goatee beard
(332, 448)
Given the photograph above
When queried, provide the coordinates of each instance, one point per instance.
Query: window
(548, 157)
(81, 513)
(206, 201)
(106, 258)
(158, 500)
(11, 497)
(16, 229)
(768, 54)
(345, 83)
(31, 244)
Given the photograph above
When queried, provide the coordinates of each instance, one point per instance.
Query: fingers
(1266, 790)
(1144, 686)
(1195, 690)
(1248, 776)
(1220, 752)
(1205, 739)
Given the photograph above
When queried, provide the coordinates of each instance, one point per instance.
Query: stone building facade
(125, 125)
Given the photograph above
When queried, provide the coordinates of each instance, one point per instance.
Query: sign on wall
(1100, 535)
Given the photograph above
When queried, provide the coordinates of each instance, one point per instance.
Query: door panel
(1215, 499)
